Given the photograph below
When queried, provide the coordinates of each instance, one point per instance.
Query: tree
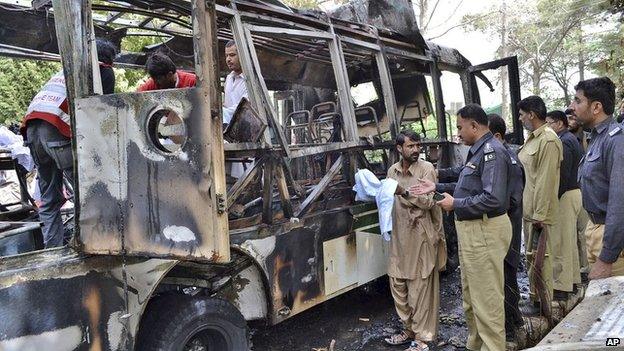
(430, 10)
(610, 58)
(20, 81)
(310, 4)
(541, 34)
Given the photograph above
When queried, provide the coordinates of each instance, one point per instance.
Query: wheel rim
(207, 338)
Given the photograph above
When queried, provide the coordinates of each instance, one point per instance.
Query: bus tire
(177, 322)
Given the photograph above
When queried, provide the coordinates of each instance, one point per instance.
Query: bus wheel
(176, 322)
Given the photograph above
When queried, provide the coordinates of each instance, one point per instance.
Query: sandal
(399, 339)
(418, 346)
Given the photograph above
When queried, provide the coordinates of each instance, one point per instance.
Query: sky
(475, 46)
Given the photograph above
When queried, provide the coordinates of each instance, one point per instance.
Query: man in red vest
(164, 74)
(47, 132)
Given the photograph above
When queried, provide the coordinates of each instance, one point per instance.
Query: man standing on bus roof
(480, 201)
(417, 250)
(165, 75)
(235, 82)
(600, 176)
(47, 132)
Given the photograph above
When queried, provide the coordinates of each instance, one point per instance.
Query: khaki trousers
(581, 225)
(417, 303)
(566, 266)
(594, 234)
(483, 244)
(547, 270)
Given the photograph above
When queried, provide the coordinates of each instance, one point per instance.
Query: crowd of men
(564, 190)
(47, 132)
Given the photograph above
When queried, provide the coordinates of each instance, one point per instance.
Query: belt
(489, 215)
(597, 218)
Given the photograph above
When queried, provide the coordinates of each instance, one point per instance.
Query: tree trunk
(422, 15)
(581, 54)
(503, 72)
(536, 77)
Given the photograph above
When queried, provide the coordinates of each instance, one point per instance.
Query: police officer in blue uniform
(480, 201)
(601, 176)
(513, 317)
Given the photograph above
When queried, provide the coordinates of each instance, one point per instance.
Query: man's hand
(600, 270)
(424, 186)
(447, 203)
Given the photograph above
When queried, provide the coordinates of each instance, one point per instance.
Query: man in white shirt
(235, 90)
(235, 85)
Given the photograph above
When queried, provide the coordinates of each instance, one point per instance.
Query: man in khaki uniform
(566, 262)
(480, 201)
(417, 250)
(601, 176)
(581, 222)
(541, 157)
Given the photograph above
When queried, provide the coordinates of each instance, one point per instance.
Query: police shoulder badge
(615, 131)
(488, 148)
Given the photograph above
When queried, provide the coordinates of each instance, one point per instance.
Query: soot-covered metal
(134, 194)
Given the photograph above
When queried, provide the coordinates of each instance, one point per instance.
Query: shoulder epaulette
(488, 148)
(614, 131)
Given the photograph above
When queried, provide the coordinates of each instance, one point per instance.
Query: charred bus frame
(155, 223)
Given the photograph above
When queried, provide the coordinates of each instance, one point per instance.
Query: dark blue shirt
(572, 154)
(516, 180)
(601, 177)
(483, 183)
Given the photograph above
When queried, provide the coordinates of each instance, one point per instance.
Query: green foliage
(128, 80)
(303, 4)
(20, 81)
(554, 41)
(611, 60)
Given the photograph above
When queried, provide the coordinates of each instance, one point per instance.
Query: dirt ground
(359, 320)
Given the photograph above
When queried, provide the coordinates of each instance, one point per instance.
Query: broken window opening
(166, 130)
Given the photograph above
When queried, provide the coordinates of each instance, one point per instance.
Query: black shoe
(559, 295)
(531, 309)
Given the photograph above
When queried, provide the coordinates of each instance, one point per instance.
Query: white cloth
(368, 189)
(15, 143)
(235, 90)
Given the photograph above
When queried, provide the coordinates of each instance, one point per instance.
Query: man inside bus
(165, 75)
(235, 90)
(235, 83)
(47, 132)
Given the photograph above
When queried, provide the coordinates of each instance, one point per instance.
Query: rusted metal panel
(339, 263)
(292, 260)
(61, 300)
(372, 256)
(246, 124)
(142, 194)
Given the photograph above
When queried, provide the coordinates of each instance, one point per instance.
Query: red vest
(50, 105)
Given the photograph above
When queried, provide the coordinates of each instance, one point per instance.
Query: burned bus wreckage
(170, 247)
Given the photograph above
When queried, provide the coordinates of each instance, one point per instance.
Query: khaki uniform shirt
(541, 157)
(417, 245)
